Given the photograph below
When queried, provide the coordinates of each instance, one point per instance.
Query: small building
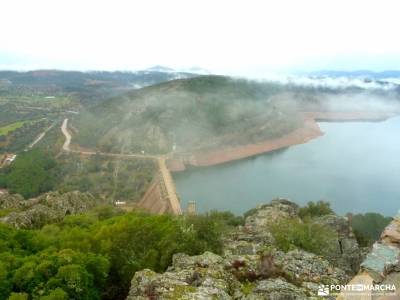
(10, 158)
(120, 203)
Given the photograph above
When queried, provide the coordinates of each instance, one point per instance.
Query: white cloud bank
(226, 36)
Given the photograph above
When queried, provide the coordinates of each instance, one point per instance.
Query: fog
(210, 112)
(340, 83)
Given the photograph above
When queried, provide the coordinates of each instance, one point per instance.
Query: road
(170, 186)
(161, 160)
(64, 129)
(66, 147)
(40, 137)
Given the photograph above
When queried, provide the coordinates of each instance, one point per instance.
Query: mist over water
(355, 166)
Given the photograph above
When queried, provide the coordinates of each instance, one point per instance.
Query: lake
(355, 166)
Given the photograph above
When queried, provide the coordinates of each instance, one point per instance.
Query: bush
(95, 255)
(250, 212)
(368, 227)
(321, 208)
(31, 174)
(290, 234)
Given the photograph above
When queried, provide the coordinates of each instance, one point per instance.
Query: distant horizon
(193, 70)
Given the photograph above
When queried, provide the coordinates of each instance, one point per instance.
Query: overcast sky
(224, 36)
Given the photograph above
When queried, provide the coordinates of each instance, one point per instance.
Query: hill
(209, 112)
(87, 87)
(188, 114)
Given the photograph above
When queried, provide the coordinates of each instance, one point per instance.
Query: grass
(11, 127)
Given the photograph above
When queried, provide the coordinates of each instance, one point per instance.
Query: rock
(381, 265)
(382, 260)
(205, 260)
(391, 234)
(8, 201)
(308, 267)
(269, 213)
(48, 208)
(293, 275)
(251, 267)
(276, 289)
(196, 277)
(346, 253)
(34, 217)
(68, 203)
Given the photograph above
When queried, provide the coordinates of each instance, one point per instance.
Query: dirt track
(161, 160)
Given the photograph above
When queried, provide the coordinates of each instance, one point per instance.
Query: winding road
(161, 160)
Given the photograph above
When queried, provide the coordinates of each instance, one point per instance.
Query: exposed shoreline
(309, 131)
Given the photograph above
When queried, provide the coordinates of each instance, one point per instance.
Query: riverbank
(310, 130)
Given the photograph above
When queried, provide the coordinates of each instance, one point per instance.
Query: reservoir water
(355, 166)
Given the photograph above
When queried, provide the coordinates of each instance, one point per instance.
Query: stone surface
(269, 213)
(381, 266)
(276, 289)
(8, 201)
(391, 234)
(250, 267)
(346, 253)
(382, 260)
(48, 208)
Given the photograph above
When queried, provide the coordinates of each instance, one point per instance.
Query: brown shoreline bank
(310, 130)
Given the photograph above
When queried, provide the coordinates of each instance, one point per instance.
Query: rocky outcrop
(251, 267)
(345, 252)
(209, 276)
(8, 201)
(48, 208)
(381, 266)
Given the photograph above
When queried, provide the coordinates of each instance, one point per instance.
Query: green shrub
(312, 209)
(95, 255)
(290, 234)
(362, 239)
(31, 174)
(368, 227)
(18, 296)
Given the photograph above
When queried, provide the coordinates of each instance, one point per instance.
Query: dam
(161, 197)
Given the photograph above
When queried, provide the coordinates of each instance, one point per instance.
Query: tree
(320, 208)
(31, 174)
(18, 296)
(76, 281)
(56, 294)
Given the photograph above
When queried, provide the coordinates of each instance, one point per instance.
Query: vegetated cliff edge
(253, 265)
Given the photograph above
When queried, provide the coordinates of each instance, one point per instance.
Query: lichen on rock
(251, 266)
